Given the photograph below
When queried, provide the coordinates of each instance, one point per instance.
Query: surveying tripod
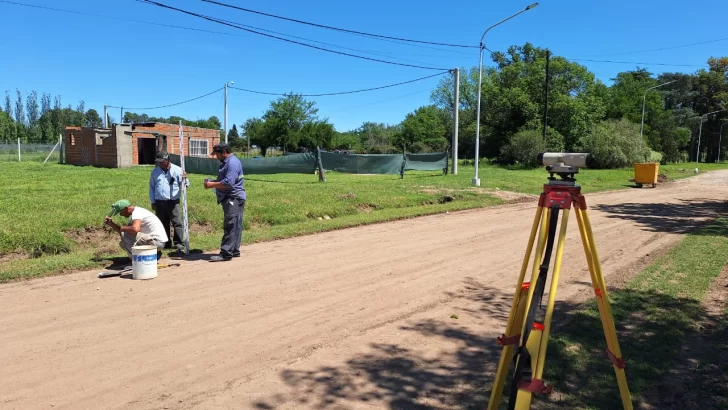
(526, 337)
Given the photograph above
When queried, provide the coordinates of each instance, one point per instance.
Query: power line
(633, 62)
(169, 105)
(336, 28)
(205, 31)
(321, 42)
(344, 92)
(285, 39)
(112, 18)
(658, 49)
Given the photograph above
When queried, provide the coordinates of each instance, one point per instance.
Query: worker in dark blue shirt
(230, 191)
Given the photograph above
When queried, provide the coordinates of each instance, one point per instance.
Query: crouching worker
(144, 228)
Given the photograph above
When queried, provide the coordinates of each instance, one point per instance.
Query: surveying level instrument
(526, 336)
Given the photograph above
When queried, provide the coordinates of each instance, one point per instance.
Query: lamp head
(531, 6)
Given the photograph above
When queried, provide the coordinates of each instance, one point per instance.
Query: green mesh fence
(308, 163)
(427, 162)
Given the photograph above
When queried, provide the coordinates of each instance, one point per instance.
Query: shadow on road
(651, 327)
(682, 217)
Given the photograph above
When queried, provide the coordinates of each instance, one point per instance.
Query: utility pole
(225, 126)
(546, 96)
(106, 116)
(456, 115)
(121, 119)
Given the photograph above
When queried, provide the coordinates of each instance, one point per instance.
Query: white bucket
(144, 262)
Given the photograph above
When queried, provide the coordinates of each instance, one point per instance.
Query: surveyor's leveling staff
(184, 188)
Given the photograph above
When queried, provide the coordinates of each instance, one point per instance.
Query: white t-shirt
(151, 225)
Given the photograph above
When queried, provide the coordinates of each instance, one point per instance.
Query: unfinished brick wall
(172, 133)
(83, 148)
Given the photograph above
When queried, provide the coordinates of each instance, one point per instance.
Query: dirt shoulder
(357, 318)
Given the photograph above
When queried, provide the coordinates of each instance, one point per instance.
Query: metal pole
(106, 116)
(546, 96)
(456, 116)
(720, 135)
(18, 149)
(225, 131)
(476, 180)
(644, 98)
(700, 133)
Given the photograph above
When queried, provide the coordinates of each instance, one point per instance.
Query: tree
(319, 133)
(286, 118)
(8, 105)
(93, 119)
(255, 130)
(7, 127)
(615, 144)
(426, 129)
(233, 134)
(31, 103)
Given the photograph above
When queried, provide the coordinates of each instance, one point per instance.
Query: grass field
(672, 361)
(51, 216)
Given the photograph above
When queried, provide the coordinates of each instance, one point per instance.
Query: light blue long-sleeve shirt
(164, 185)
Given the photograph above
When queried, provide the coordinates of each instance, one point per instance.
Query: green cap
(118, 206)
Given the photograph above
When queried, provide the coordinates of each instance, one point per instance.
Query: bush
(523, 148)
(615, 144)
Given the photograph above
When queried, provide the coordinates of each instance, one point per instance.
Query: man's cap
(221, 148)
(161, 156)
(117, 206)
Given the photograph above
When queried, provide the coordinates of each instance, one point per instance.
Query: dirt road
(358, 318)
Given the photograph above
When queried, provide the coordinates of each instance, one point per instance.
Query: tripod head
(564, 164)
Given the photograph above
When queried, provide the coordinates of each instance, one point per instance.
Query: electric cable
(154, 3)
(169, 105)
(658, 49)
(633, 62)
(112, 18)
(337, 28)
(211, 31)
(343, 92)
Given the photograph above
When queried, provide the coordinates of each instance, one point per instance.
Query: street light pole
(226, 106)
(720, 135)
(644, 98)
(476, 180)
(700, 133)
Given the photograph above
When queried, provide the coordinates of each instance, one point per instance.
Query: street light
(226, 130)
(476, 180)
(643, 103)
(697, 152)
(720, 134)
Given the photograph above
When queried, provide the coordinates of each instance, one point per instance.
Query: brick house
(126, 145)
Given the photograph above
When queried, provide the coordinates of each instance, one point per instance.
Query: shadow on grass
(682, 217)
(651, 327)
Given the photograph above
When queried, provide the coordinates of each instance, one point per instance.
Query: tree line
(583, 114)
(41, 123)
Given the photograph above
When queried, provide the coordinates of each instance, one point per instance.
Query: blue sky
(122, 63)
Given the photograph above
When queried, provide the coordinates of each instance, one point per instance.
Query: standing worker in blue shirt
(165, 185)
(230, 191)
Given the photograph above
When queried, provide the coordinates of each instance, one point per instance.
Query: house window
(199, 148)
(73, 139)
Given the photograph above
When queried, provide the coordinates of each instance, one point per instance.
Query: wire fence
(23, 152)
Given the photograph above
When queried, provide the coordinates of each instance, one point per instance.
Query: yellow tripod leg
(516, 315)
(524, 397)
(605, 311)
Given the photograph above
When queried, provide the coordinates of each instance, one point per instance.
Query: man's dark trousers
(233, 210)
(168, 211)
